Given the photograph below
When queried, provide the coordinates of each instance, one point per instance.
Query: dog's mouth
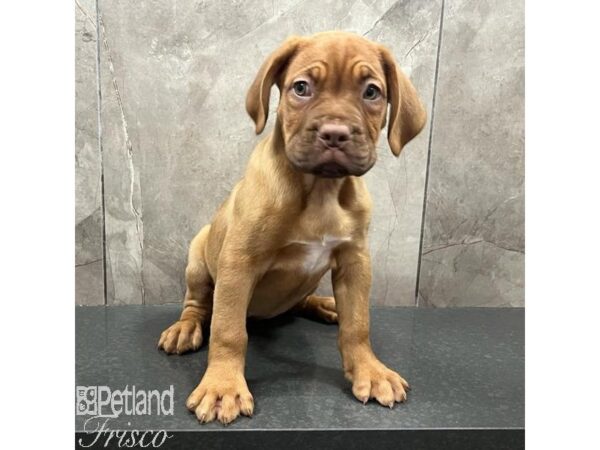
(330, 162)
(331, 170)
(333, 162)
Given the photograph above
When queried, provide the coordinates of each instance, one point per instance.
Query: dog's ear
(257, 99)
(407, 114)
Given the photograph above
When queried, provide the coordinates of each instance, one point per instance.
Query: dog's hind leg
(316, 307)
(186, 334)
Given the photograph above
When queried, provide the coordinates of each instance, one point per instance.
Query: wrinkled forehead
(336, 60)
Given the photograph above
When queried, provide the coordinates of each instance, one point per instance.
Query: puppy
(300, 210)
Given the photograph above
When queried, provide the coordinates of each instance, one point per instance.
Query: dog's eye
(302, 89)
(372, 92)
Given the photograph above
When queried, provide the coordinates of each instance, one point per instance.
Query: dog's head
(334, 91)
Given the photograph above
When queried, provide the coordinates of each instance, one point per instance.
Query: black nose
(333, 134)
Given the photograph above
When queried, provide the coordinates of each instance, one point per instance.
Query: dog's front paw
(222, 394)
(374, 380)
(183, 336)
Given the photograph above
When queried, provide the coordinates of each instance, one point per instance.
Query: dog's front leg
(351, 285)
(223, 393)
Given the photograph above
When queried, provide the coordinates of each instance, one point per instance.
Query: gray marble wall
(89, 264)
(162, 136)
(474, 241)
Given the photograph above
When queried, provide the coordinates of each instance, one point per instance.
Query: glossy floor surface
(465, 366)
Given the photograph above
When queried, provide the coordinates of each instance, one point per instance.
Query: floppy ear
(257, 99)
(407, 114)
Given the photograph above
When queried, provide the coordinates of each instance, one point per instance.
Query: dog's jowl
(301, 209)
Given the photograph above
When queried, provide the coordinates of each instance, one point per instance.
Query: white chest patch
(318, 252)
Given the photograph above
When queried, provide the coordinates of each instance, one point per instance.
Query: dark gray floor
(465, 366)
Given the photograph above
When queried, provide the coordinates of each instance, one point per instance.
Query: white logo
(101, 401)
(87, 400)
(102, 404)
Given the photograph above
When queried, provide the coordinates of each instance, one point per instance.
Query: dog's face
(334, 91)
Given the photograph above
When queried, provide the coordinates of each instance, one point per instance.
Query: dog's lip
(331, 162)
(333, 155)
(330, 170)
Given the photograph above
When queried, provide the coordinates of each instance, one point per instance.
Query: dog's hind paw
(181, 337)
(319, 308)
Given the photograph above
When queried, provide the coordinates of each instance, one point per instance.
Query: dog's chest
(315, 255)
(322, 227)
(301, 257)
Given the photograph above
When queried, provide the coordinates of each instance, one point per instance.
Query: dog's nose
(333, 134)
